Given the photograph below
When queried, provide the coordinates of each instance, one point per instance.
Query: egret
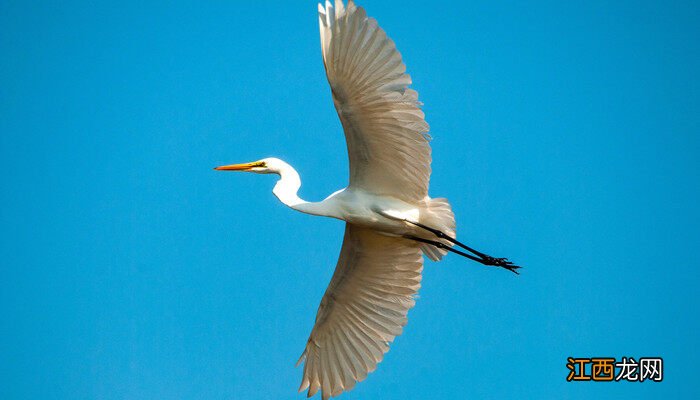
(390, 219)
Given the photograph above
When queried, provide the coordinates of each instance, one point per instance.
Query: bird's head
(264, 166)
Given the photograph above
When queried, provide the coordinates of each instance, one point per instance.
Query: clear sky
(566, 135)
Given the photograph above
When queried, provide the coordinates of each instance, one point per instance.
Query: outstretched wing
(362, 311)
(384, 126)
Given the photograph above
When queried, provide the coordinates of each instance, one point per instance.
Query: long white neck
(287, 188)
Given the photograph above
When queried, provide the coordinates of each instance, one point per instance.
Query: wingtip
(313, 390)
(304, 385)
(301, 358)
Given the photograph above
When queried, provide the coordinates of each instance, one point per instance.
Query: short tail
(438, 215)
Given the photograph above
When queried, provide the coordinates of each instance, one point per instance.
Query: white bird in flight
(390, 219)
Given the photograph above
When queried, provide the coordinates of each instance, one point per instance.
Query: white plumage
(390, 220)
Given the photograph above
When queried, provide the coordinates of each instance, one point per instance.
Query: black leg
(480, 257)
(442, 235)
(490, 261)
(444, 247)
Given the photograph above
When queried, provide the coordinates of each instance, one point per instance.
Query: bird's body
(384, 214)
(358, 207)
(352, 205)
(391, 222)
(355, 206)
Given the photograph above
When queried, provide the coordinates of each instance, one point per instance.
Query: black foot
(501, 262)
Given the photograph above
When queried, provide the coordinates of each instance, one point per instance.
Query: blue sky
(565, 136)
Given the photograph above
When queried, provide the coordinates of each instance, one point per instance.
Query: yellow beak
(239, 167)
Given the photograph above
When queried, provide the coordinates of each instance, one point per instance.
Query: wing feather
(385, 129)
(363, 310)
